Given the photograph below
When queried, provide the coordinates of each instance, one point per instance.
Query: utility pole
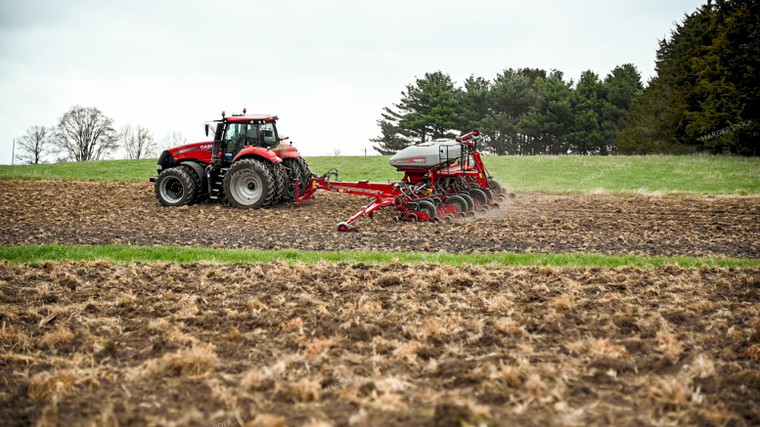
(13, 152)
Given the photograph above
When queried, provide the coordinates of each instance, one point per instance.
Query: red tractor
(247, 163)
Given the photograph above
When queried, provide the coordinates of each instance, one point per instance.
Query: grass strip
(694, 174)
(182, 255)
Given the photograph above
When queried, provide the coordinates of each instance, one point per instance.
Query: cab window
(234, 138)
(252, 135)
(268, 134)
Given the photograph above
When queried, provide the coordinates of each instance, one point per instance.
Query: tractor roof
(246, 118)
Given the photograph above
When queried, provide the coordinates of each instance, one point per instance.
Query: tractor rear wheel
(175, 187)
(303, 185)
(293, 170)
(280, 176)
(249, 184)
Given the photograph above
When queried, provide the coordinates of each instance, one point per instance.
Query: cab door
(235, 138)
(268, 134)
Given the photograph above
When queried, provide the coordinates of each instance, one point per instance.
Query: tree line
(706, 92)
(705, 96)
(521, 111)
(85, 133)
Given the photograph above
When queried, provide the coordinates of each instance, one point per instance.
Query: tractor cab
(239, 135)
(236, 132)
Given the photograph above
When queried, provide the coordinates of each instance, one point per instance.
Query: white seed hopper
(428, 155)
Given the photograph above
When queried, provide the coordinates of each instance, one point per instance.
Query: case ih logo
(200, 147)
(413, 160)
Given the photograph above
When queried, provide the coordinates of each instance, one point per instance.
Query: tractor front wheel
(249, 184)
(175, 187)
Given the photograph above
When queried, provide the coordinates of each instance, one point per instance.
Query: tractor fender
(165, 161)
(286, 151)
(260, 152)
(199, 170)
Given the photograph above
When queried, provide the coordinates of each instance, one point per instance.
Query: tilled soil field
(275, 345)
(37, 212)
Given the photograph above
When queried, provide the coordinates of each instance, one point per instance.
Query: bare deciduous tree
(171, 140)
(35, 144)
(86, 134)
(137, 141)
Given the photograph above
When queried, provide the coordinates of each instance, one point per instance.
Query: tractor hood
(198, 151)
(182, 149)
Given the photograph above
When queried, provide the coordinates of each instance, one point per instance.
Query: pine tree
(474, 104)
(512, 97)
(621, 87)
(550, 120)
(428, 109)
(706, 93)
(588, 102)
(388, 142)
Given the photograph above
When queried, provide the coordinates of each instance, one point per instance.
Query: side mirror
(206, 129)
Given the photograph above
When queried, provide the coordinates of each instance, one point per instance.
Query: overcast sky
(327, 68)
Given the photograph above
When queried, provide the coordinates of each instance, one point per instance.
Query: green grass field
(107, 170)
(126, 254)
(699, 174)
